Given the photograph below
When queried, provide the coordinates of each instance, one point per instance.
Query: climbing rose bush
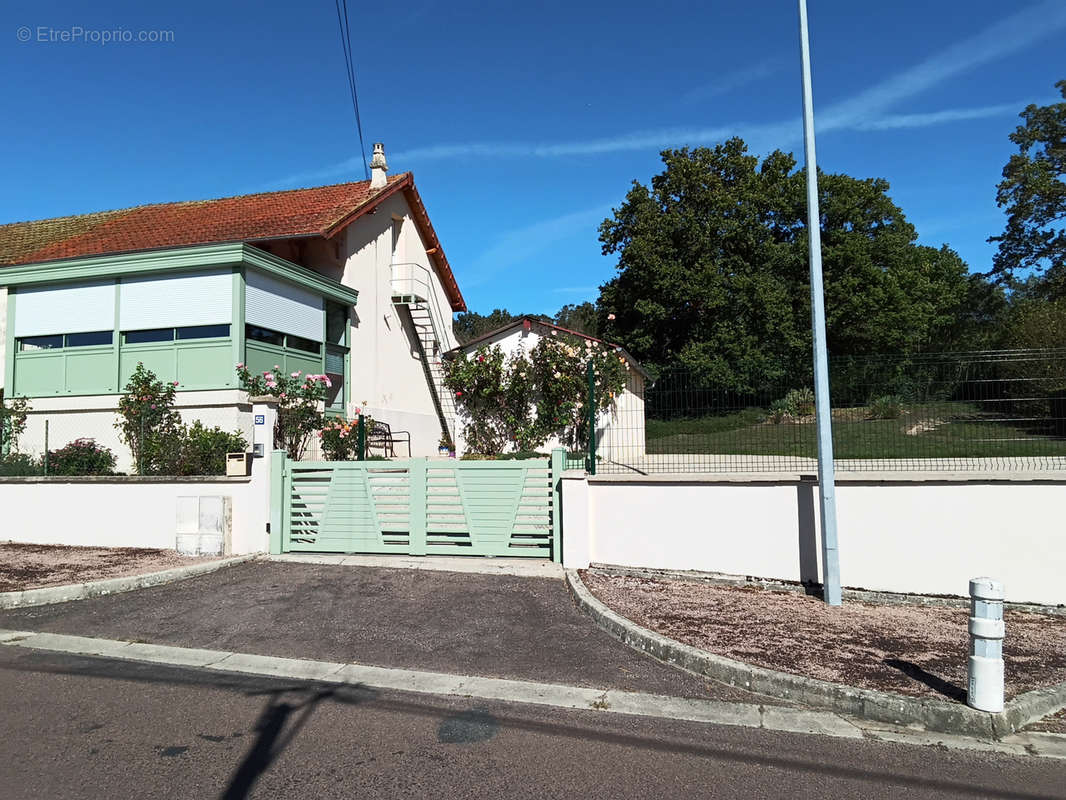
(147, 419)
(13, 414)
(161, 444)
(301, 401)
(519, 402)
(340, 438)
(493, 394)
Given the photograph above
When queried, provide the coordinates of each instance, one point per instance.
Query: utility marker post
(823, 416)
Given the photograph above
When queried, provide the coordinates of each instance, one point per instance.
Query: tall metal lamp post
(823, 417)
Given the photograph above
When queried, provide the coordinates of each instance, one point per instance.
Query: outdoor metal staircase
(412, 289)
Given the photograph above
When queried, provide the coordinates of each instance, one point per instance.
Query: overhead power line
(346, 45)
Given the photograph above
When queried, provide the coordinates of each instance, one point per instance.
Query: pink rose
(358, 411)
(175, 383)
(153, 405)
(270, 385)
(295, 374)
(240, 365)
(268, 376)
(327, 381)
(283, 395)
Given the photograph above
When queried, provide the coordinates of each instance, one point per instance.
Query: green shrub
(16, 465)
(81, 457)
(778, 411)
(800, 402)
(203, 450)
(193, 450)
(888, 406)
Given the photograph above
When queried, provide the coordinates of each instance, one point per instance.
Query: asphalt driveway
(488, 625)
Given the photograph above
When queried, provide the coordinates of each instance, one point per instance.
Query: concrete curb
(932, 715)
(562, 696)
(81, 591)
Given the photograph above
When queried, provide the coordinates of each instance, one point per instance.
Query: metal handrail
(436, 317)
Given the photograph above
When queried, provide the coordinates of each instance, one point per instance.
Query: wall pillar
(577, 528)
(250, 528)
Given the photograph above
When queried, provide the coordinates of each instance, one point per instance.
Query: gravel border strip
(81, 591)
(932, 715)
(860, 595)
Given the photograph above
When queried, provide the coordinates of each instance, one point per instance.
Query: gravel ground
(32, 566)
(913, 650)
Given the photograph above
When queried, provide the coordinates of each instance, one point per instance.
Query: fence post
(416, 473)
(46, 447)
(277, 499)
(590, 461)
(362, 438)
(558, 464)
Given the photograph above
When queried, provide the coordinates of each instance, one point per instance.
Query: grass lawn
(943, 430)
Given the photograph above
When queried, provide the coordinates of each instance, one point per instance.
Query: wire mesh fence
(997, 410)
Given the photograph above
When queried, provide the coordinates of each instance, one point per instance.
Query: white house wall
(387, 380)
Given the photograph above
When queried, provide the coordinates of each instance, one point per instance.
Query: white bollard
(986, 645)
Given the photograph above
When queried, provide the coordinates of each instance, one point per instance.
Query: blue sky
(524, 124)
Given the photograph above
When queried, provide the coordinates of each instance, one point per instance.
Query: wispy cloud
(897, 121)
(864, 111)
(517, 245)
(732, 81)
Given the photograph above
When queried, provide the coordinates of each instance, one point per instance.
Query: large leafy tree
(712, 269)
(578, 317)
(1033, 192)
(469, 325)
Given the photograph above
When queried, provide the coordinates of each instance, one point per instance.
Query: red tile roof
(321, 211)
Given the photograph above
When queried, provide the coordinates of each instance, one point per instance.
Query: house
(620, 431)
(348, 280)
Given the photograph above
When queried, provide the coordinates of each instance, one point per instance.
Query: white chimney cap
(378, 167)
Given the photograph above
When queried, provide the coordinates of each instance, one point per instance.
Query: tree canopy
(1033, 192)
(713, 269)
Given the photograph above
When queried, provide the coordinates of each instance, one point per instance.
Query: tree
(1033, 191)
(713, 269)
(580, 318)
(470, 325)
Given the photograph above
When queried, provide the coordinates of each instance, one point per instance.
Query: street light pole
(823, 417)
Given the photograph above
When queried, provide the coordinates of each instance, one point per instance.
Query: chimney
(378, 167)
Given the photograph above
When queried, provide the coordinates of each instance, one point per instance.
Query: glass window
(336, 319)
(144, 337)
(264, 335)
(298, 343)
(203, 332)
(89, 339)
(30, 343)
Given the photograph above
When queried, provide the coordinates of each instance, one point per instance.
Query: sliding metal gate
(420, 506)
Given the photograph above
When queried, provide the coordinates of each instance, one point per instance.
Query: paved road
(93, 728)
(490, 625)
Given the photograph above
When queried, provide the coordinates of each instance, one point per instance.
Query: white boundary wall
(132, 512)
(914, 534)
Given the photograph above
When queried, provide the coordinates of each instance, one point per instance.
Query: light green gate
(421, 506)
